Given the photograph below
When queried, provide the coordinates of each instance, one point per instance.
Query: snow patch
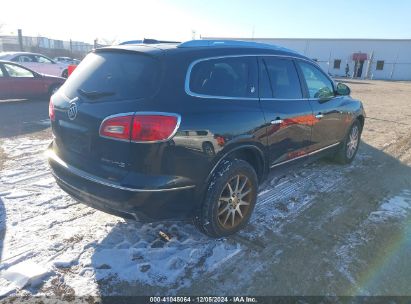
(25, 273)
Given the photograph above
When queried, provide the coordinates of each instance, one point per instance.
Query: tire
(64, 74)
(208, 148)
(233, 187)
(347, 151)
(53, 89)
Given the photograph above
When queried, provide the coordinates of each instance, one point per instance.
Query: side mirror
(343, 90)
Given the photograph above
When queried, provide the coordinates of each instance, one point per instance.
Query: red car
(18, 82)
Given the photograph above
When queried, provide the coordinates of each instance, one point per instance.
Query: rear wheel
(230, 199)
(349, 146)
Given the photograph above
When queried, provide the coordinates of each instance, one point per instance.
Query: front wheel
(230, 199)
(349, 146)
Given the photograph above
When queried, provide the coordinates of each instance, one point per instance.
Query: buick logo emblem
(72, 111)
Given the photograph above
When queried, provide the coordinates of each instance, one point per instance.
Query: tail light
(52, 115)
(140, 127)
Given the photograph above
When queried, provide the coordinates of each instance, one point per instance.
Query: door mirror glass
(342, 89)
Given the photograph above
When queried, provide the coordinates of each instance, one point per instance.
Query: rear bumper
(151, 202)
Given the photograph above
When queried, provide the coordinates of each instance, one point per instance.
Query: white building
(367, 58)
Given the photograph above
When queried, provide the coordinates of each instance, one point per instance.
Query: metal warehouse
(388, 59)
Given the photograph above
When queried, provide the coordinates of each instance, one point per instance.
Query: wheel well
(253, 157)
(361, 120)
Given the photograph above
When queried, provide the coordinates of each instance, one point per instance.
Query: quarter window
(283, 78)
(224, 77)
(319, 86)
(16, 71)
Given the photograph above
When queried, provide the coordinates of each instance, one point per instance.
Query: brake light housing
(140, 127)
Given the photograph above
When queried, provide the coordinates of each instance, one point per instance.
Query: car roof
(19, 53)
(208, 48)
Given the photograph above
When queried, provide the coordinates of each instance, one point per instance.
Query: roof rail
(238, 43)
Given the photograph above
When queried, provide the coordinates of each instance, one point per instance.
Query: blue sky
(176, 19)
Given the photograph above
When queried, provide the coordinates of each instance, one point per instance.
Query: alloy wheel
(352, 143)
(234, 202)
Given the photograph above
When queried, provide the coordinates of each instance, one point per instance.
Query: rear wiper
(95, 94)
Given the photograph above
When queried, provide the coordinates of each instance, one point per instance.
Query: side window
(41, 59)
(16, 71)
(283, 78)
(319, 86)
(264, 88)
(23, 58)
(225, 77)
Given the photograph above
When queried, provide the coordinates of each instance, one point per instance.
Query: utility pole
(20, 36)
(71, 48)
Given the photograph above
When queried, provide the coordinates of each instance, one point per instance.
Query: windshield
(114, 76)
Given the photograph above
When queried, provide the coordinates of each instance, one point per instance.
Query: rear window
(114, 76)
(224, 77)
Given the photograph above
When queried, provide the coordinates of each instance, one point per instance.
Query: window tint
(229, 77)
(41, 59)
(16, 71)
(264, 82)
(115, 76)
(283, 78)
(319, 86)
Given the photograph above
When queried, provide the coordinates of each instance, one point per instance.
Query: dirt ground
(322, 229)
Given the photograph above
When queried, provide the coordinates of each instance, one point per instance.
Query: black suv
(190, 130)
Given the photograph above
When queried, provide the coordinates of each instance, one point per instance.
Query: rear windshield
(114, 76)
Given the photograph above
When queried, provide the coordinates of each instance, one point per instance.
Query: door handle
(277, 121)
(319, 116)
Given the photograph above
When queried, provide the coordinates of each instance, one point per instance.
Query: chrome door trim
(192, 64)
(305, 155)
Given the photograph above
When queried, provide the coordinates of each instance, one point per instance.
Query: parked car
(37, 62)
(17, 81)
(67, 60)
(121, 120)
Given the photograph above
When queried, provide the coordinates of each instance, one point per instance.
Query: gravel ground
(322, 229)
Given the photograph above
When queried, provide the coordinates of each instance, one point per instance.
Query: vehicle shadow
(23, 117)
(312, 211)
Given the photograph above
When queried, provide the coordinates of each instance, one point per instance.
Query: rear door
(328, 128)
(105, 83)
(287, 112)
(23, 82)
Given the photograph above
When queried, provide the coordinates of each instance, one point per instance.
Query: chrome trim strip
(51, 155)
(190, 67)
(178, 116)
(305, 155)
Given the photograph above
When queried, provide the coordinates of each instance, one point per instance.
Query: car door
(328, 128)
(27, 60)
(48, 66)
(288, 114)
(5, 84)
(23, 82)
